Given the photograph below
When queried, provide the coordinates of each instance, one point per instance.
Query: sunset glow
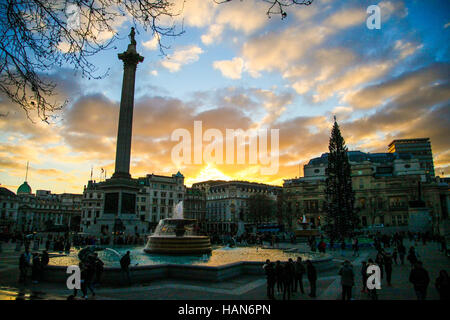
(234, 68)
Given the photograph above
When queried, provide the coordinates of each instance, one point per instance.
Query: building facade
(41, 212)
(155, 200)
(194, 207)
(384, 185)
(227, 203)
(420, 148)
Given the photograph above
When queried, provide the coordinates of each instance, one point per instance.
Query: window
(311, 206)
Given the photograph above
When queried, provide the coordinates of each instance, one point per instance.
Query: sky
(235, 68)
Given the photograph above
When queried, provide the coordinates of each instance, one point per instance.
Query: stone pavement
(244, 287)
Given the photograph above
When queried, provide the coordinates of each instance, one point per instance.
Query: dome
(24, 188)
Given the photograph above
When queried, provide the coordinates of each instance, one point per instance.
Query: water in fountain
(164, 228)
(113, 251)
(178, 211)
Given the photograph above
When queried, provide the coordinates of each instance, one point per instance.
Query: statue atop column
(132, 34)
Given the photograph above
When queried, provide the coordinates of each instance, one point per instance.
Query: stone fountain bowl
(177, 242)
(187, 245)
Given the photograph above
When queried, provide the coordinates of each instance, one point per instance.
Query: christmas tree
(341, 218)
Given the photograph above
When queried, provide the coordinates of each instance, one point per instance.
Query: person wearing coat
(347, 280)
(312, 277)
(24, 264)
(420, 279)
(299, 272)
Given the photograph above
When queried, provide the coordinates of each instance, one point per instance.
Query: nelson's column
(119, 212)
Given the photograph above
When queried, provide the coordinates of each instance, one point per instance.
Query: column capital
(130, 57)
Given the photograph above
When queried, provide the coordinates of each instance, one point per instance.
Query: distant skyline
(235, 68)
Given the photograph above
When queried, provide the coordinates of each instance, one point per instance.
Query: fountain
(306, 230)
(176, 236)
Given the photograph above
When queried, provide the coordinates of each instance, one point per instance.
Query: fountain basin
(175, 236)
(186, 245)
(222, 264)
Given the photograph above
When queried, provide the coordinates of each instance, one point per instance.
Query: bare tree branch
(276, 7)
(37, 38)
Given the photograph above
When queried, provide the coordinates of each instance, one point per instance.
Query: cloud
(401, 86)
(245, 16)
(182, 56)
(151, 44)
(352, 78)
(346, 18)
(406, 49)
(230, 68)
(214, 33)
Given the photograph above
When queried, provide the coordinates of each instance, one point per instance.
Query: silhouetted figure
(24, 264)
(83, 277)
(443, 285)
(364, 276)
(412, 257)
(124, 266)
(379, 260)
(98, 269)
(271, 279)
(312, 277)
(394, 255)
(299, 272)
(347, 280)
(288, 279)
(420, 279)
(36, 268)
(388, 268)
(279, 276)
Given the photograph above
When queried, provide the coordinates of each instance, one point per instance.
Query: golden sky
(234, 68)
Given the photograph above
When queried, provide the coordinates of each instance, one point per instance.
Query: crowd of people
(285, 278)
(390, 251)
(288, 277)
(35, 262)
(91, 270)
